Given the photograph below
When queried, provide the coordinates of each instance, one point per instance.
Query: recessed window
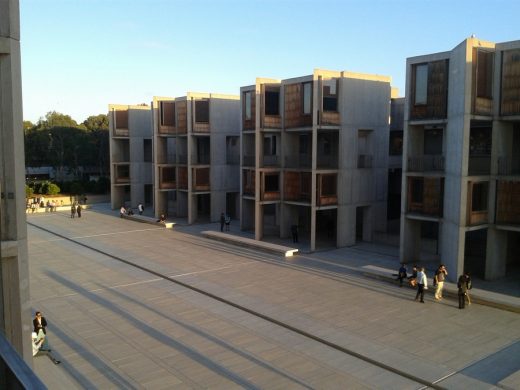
(417, 190)
(328, 185)
(330, 96)
(147, 150)
(122, 119)
(269, 145)
(479, 196)
(167, 113)
(421, 84)
(396, 143)
(484, 76)
(307, 98)
(272, 102)
(272, 183)
(247, 104)
(433, 141)
(202, 111)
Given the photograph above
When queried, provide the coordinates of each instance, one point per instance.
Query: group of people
(418, 279)
(39, 202)
(75, 209)
(225, 220)
(129, 211)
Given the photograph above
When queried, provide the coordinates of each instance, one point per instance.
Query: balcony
(120, 123)
(183, 159)
(122, 173)
(297, 186)
(425, 196)
(248, 182)
(365, 161)
(121, 132)
(182, 178)
(508, 202)
(479, 165)
(271, 160)
(201, 159)
(167, 175)
(427, 163)
(200, 179)
(326, 190)
(300, 161)
(270, 189)
(327, 162)
(508, 166)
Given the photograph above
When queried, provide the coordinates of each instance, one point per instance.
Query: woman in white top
(422, 284)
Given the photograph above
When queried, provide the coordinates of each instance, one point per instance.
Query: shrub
(29, 192)
(52, 189)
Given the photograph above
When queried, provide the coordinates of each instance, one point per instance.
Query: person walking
(294, 232)
(72, 210)
(422, 284)
(222, 221)
(40, 328)
(227, 222)
(78, 210)
(463, 286)
(140, 208)
(122, 211)
(438, 281)
(402, 274)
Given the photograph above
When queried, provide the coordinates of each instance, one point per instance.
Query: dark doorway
(359, 223)
(203, 207)
(148, 194)
(231, 204)
(475, 253)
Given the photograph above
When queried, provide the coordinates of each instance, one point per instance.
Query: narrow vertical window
(421, 84)
(247, 102)
(307, 98)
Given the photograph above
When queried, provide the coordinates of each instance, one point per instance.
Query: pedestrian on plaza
(463, 285)
(72, 210)
(85, 199)
(294, 232)
(78, 210)
(40, 328)
(140, 208)
(422, 284)
(162, 219)
(222, 221)
(227, 222)
(402, 274)
(413, 277)
(122, 211)
(438, 281)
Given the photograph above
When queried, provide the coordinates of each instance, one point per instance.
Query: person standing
(440, 276)
(72, 210)
(78, 210)
(222, 221)
(422, 284)
(140, 208)
(294, 232)
(402, 274)
(228, 222)
(463, 286)
(122, 211)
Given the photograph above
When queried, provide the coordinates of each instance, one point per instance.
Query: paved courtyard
(116, 326)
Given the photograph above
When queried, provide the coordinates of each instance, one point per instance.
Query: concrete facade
(131, 155)
(315, 154)
(15, 316)
(197, 148)
(460, 189)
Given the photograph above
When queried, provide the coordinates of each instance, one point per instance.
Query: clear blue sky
(78, 56)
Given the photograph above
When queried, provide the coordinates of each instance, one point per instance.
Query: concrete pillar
(346, 222)
(496, 254)
(410, 246)
(189, 139)
(15, 316)
(453, 239)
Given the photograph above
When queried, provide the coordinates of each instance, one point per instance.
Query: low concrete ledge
(250, 243)
(482, 297)
(149, 220)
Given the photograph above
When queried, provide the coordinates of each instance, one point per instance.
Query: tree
(96, 122)
(27, 125)
(56, 119)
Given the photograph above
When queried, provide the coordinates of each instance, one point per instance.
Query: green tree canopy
(96, 122)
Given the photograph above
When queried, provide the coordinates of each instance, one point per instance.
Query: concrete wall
(15, 316)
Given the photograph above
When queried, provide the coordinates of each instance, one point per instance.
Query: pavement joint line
(211, 270)
(265, 317)
(95, 235)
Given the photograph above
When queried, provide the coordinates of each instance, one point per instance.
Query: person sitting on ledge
(162, 219)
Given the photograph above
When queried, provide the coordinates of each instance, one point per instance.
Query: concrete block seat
(250, 243)
(150, 220)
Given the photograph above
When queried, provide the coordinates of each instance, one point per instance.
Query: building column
(496, 254)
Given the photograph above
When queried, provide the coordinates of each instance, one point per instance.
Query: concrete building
(315, 154)
(131, 155)
(461, 187)
(197, 150)
(15, 315)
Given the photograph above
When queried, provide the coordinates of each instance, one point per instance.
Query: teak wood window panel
(167, 114)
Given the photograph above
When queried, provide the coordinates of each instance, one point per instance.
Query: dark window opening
(202, 111)
(272, 183)
(272, 102)
(122, 119)
(147, 150)
(167, 114)
(270, 145)
(479, 196)
(328, 185)
(330, 96)
(247, 103)
(433, 141)
(417, 190)
(168, 174)
(480, 141)
(396, 143)
(305, 144)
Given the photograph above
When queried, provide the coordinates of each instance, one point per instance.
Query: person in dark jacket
(222, 221)
(78, 210)
(463, 285)
(40, 325)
